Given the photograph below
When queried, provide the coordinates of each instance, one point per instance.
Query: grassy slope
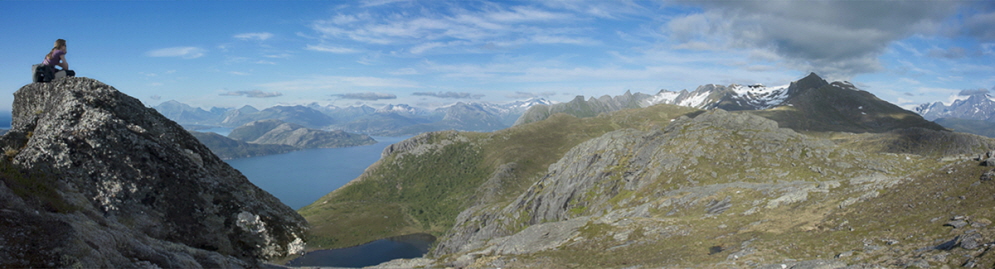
(930, 192)
(424, 194)
(977, 127)
(404, 196)
(902, 224)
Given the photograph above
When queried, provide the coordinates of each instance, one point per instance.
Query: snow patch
(760, 96)
(695, 101)
(663, 97)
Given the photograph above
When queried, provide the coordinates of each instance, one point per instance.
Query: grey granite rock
(132, 187)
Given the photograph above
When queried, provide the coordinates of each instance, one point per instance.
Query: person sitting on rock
(55, 57)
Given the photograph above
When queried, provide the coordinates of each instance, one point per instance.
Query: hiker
(46, 71)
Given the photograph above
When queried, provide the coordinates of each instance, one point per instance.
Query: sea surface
(301, 177)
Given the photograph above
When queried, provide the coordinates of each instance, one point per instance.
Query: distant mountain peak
(969, 105)
(812, 81)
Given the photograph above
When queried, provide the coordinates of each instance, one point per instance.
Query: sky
(435, 53)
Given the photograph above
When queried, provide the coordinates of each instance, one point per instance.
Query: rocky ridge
(632, 191)
(93, 178)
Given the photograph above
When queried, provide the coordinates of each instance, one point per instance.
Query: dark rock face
(138, 189)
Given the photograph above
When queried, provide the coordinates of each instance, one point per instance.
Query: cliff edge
(93, 178)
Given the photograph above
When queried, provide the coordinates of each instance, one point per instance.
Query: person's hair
(58, 44)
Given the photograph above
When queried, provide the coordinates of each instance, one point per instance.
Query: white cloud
(322, 83)
(182, 52)
(404, 71)
(331, 49)
(988, 48)
(254, 36)
(373, 3)
(836, 39)
(449, 29)
(369, 96)
(252, 94)
(450, 95)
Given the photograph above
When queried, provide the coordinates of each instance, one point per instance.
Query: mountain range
(808, 104)
(390, 120)
(970, 112)
(823, 175)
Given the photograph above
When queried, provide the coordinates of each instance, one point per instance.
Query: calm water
(372, 253)
(301, 177)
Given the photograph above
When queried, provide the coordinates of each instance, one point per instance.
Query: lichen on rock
(157, 194)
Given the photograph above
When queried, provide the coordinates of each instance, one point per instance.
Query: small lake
(372, 253)
(301, 177)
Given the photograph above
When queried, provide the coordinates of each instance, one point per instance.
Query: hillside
(301, 115)
(276, 132)
(578, 107)
(673, 186)
(92, 178)
(434, 176)
(227, 148)
(460, 117)
(978, 127)
(816, 105)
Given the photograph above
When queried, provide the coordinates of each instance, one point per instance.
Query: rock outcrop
(93, 178)
(592, 176)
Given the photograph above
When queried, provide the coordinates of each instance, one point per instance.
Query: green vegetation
(978, 127)
(905, 220)
(404, 194)
(715, 195)
(34, 188)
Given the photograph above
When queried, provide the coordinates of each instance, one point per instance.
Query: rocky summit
(93, 178)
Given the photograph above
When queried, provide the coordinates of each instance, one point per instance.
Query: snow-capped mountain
(732, 97)
(817, 105)
(741, 97)
(526, 104)
(977, 106)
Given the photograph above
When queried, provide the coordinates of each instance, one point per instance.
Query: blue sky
(434, 53)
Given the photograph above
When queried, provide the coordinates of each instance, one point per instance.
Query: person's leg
(34, 73)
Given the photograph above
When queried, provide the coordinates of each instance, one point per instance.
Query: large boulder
(123, 186)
